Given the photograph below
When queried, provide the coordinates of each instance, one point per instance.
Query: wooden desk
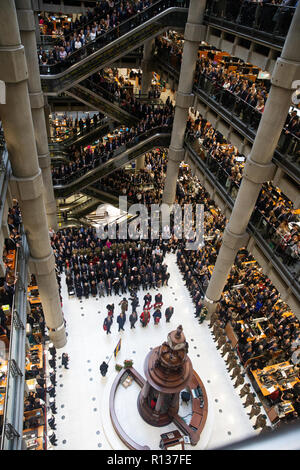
(36, 434)
(34, 413)
(269, 371)
(171, 439)
(33, 299)
(38, 348)
(11, 259)
(253, 336)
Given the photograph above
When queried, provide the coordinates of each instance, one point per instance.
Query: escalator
(156, 137)
(88, 137)
(94, 96)
(81, 138)
(108, 47)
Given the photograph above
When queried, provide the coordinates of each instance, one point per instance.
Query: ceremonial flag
(117, 348)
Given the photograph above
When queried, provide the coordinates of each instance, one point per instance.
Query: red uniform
(145, 317)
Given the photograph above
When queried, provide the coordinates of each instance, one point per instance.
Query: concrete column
(28, 39)
(140, 163)
(37, 28)
(146, 67)
(194, 33)
(26, 182)
(259, 167)
(47, 111)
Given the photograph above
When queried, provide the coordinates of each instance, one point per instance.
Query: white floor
(82, 418)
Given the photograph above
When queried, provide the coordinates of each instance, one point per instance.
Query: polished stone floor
(82, 394)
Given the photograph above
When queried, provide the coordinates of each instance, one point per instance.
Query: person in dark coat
(103, 368)
(121, 319)
(93, 288)
(168, 313)
(147, 299)
(86, 290)
(65, 360)
(134, 302)
(157, 316)
(158, 301)
(133, 319)
(78, 288)
(107, 324)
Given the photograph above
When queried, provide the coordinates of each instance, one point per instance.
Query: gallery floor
(82, 418)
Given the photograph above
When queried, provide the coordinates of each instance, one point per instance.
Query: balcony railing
(12, 430)
(243, 117)
(276, 245)
(111, 35)
(264, 22)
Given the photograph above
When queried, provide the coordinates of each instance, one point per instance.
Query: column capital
(26, 189)
(13, 64)
(177, 155)
(184, 100)
(194, 32)
(42, 266)
(44, 160)
(285, 73)
(26, 20)
(36, 100)
(234, 241)
(259, 173)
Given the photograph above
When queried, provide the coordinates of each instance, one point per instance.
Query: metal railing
(74, 134)
(238, 113)
(111, 35)
(12, 431)
(261, 21)
(269, 239)
(101, 160)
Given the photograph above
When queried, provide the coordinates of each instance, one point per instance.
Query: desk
(11, 259)
(171, 439)
(32, 298)
(260, 332)
(3, 383)
(267, 378)
(38, 416)
(38, 348)
(34, 438)
(31, 384)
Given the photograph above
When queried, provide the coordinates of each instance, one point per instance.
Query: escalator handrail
(117, 107)
(73, 65)
(155, 132)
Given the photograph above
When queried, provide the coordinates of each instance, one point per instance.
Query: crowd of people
(105, 17)
(274, 213)
(272, 16)
(74, 125)
(133, 317)
(256, 294)
(243, 96)
(118, 93)
(10, 277)
(97, 267)
(85, 159)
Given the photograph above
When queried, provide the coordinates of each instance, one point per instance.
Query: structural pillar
(26, 182)
(146, 67)
(194, 33)
(259, 167)
(28, 38)
(140, 163)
